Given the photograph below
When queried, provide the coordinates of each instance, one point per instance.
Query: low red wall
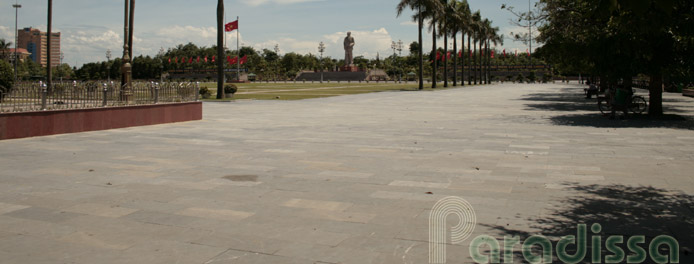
(32, 124)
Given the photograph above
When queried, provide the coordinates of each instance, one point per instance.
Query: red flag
(213, 58)
(527, 51)
(198, 61)
(231, 26)
(438, 55)
(191, 60)
(176, 60)
(183, 60)
(233, 61)
(205, 58)
(169, 60)
(460, 54)
(448, 55)
(492, 54)
(504, 53)
(470, 53)
(244, 59)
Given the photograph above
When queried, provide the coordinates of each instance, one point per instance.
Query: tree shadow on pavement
(566, 99)
(574, 104)
(632, 121)
(621, 210)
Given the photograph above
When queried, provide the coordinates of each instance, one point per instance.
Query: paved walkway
(348, 179)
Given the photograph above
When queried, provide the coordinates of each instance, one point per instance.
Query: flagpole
(238, 52)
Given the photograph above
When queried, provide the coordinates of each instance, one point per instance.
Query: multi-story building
(36, 43)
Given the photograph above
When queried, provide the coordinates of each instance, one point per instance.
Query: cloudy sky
(90, 27)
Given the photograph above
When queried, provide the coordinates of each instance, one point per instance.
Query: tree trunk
(655, 107)
(220, 49)
(474, 61)
(455, 60)
(445, 59)
(469, 47)
(433, 53)
(480, 62)
(489, 62)
(462, 52)
(421, 58)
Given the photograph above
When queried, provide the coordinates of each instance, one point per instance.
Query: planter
(228, 95)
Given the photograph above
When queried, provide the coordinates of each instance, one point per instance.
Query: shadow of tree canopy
(633, 121)
(566, 99)
(621, 210)
(574, 100)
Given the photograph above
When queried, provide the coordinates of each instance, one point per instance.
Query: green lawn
(299, 91)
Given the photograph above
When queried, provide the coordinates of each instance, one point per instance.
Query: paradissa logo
(459, 207)
(617, 255)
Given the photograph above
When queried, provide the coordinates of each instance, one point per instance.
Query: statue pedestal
(350, 68)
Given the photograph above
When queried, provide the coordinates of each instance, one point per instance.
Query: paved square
(347, 179)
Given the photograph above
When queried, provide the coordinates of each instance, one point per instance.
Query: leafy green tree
(6, 78)
(619, 39)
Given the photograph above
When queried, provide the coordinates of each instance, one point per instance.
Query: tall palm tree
(493, 37)
(485, 24)
(4, 46)
(462, 8)
(484, 46)
(449, 25)
(475, 28)
(422, 7)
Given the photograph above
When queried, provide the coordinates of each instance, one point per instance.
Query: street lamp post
(16, 38)
(277, 51)
(400, 64)
(62, 56)
(108, 65)
(321, 49)
(394, 46)
(161, 64)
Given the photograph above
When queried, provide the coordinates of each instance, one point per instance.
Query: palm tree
(4, 46)
(493, 38)
(422, 7)
(463, 10)
(476, 28)
(485, 24)
(449, 25)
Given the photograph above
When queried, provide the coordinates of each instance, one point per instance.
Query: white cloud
(367, 43)
(7, 34)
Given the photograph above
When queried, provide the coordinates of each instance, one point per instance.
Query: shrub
(546, 78)
(6, 78)
(230, 89)
(520, 78)
(205, 92)
(532, 77)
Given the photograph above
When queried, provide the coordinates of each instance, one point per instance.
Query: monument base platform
(349, 69)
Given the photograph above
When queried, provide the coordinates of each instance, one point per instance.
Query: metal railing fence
(37, 96)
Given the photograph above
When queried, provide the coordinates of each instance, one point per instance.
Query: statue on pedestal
(349, 46)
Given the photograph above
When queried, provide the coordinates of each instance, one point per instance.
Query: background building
(8, 55)
(36, 43)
